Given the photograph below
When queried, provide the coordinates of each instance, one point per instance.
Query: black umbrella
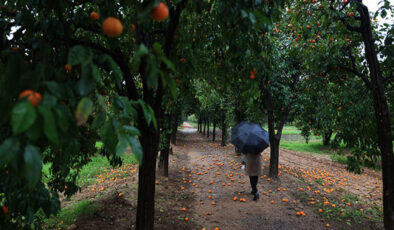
(249, 137)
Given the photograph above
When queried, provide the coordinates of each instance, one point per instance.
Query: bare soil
(204, 178)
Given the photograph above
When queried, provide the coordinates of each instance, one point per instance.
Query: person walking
(254, 170)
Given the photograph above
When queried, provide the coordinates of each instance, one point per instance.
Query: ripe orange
(94, 16)
(5, 209)
(68, 68)
(351, 14)
(33, 97)
(182, 60)
(252, 76)
(340, 108)
(184, 209)
(186, 218)
(112, 27)
(161, 12)
(133, 27)
(15, 48)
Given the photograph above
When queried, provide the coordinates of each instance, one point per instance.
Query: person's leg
(256, 193)
(251, 178)
(255, 178)
(253, 183)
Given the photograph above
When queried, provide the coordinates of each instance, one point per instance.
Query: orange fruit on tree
(5, 209)
(112, 27)
(68, 67)
(94, 16)
(33, 97)
(186, 218)
(133, 28)
(161, 12)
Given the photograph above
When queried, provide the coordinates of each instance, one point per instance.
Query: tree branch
(362, 76)
(350, 27)
(120, 60)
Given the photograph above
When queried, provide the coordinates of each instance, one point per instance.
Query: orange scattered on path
(213, 177)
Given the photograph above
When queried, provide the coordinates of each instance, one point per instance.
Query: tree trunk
(274, 157)
(214, 130)
(198, 125)
(382, 115)
(208, 129)
(150, 136)
(146, 178)
(164, 154)
(205, 126)
(164, 157)
(174, 129)
(327, 137)
(224, 132)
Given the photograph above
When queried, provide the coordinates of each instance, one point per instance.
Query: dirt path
(204, 178)
(213, 177)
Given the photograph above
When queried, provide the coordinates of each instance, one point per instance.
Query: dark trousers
(253, 183)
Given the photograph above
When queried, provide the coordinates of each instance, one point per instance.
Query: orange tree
(339, 36)
(96, 71)
(77, 72)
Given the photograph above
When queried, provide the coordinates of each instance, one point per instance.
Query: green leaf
(99, 120)
(49, 100)
(8, 151)
(50, 130)
(252, 18)
(116, 71)
(23, 116)
(142, 51)
(62, 120)
(84, 109)
(87, 83)
(33, 165)
(122, 145)
(77, 55)
(136, 148)
(148, 114)
(132, 130)
(54, 88)
(109, 137)
(244, 14)
(35, 131)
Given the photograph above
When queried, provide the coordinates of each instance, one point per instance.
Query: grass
(311, 147)
(86, 176)
(98, 165)
(69, 215)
